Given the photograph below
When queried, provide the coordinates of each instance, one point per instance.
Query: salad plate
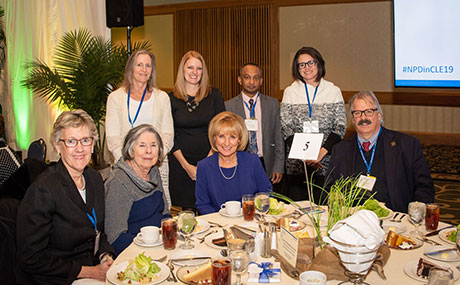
(445, 233)
(287, 210)
(411, 270)
(120, 267)
(201, 226)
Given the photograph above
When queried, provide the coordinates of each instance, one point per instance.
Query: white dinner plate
(222, 212)
(411, 270)
(184, 270)
(444, 234)
(398, 228)
(114, 269)
(208, 240)
(447, 256)
(138, 241)
(189, 253)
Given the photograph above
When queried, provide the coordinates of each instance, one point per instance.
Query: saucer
(222, 212)
(138, 241)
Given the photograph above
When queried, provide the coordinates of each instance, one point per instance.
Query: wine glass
(416, 211)
(262, 202)
(240, 261)
(186, 223)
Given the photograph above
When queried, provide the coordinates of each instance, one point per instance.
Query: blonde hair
(128, 77)
(179, 86)
(228, 122)
(73, 119)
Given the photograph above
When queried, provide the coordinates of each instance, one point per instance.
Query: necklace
(228, 178)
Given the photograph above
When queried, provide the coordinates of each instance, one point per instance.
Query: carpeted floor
(444, 162)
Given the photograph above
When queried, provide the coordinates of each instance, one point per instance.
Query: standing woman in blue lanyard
(60, 222)
(193, 103)
(138, 102)
(311, 104)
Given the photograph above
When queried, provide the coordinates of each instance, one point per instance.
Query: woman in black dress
(194, 103)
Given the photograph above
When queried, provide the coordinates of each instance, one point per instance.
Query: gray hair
(73, 119)
(131, 137)
(370, 97)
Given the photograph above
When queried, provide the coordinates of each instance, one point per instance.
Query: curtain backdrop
(33, 29)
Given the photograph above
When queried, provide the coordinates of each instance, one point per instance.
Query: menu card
(288, 246)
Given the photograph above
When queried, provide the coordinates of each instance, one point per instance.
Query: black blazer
(55, 237)
(407, 174)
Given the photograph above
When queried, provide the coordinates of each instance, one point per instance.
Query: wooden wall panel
(228, 37)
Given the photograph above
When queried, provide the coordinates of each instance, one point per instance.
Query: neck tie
(366, 146)
(252, 134)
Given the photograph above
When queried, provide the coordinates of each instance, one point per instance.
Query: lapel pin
(393, 143)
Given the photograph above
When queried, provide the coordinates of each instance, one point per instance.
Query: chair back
(37, 150)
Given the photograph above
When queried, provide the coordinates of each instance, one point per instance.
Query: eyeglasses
(367, 112)
(73, 142)
(310, 63)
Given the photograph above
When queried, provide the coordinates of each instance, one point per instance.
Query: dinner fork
(201, 239)
(427, 240)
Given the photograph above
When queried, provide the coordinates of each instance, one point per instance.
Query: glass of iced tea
(221, 271)
(169, 233)
(249, 207)
(431, 217)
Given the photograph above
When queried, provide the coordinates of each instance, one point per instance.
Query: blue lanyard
(369, 165)
(308, 98)
(93, 219)
(138, 108)
(252, 111)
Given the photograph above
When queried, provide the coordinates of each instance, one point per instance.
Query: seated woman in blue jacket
(134, 193)
(230, 172)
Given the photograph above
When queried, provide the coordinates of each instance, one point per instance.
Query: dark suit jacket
(55, 238)
(407, 174)
(272, 142)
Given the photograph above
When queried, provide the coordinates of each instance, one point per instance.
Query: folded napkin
(264, 272)
(360, 229)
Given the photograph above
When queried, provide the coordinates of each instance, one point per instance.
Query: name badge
(311, 127)
(252, 125)
(366, 182)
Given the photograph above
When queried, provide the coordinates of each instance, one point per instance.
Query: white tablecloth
(393, 269)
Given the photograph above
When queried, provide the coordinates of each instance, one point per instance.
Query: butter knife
(190, 258)
(439, 251)
(433, 233)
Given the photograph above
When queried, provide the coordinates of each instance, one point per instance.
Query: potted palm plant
(86, 69)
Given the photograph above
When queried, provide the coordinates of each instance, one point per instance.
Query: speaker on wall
(124, 13)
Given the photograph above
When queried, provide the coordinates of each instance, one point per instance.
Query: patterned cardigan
(328, 108)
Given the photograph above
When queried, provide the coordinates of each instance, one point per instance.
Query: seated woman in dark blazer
(231, 172)
(60, 221)
(135, 196)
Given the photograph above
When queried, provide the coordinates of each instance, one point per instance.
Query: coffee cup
(232, 208)
(149, 234)
(312, 277)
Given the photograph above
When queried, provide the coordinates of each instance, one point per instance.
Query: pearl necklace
(228, 178)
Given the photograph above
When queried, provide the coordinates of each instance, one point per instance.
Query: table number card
(288, 246)
(306, 146)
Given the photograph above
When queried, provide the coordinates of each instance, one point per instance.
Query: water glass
(169, 233)
(262, 202)
(186, 223)
(240, 261)
(440, 277)
(416, 211)
(432, 217)
(221, 271)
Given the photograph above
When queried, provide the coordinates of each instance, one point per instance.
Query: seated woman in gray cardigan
(134, 193)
